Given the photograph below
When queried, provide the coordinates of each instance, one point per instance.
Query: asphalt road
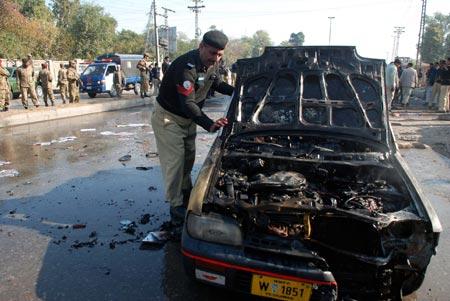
(69, 174)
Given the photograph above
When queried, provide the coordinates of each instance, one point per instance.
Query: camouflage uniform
(142, 65)
(73, 79)
(46, 78)
(26, 83)
(119, 81)
(62, 83)
(4, 89)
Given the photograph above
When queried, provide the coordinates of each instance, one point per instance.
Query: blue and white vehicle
(98, 76)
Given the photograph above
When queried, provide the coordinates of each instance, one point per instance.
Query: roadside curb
(72, 110)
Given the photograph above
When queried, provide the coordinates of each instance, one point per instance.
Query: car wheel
(92, 94)
(137, 88)
(112, 91)
(39, 91)
(413, 282)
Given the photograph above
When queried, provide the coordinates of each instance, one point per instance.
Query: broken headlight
(214, 228)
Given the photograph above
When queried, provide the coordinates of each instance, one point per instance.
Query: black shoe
(26, 108)
(5, 109)
(177, 214)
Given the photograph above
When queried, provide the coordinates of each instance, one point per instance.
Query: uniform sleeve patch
(186, 88)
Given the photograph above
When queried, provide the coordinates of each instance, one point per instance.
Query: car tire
(39, 91)
(112, 91)
(92, 94)
(137, 88)
(413, 282)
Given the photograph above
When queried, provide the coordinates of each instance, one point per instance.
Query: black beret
(216, 39)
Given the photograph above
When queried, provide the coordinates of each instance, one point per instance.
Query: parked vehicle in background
(15, 89)
(98, 76)
(304, 195)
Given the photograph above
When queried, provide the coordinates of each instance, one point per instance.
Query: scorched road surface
(64, 193)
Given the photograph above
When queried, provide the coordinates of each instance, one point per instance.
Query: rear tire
(92, 94)
(137, 88)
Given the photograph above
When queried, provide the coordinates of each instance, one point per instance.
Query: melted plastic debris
(59, 140)
(4, 173)
(4, 163)
(125, 158)
(88, 130)
(109, 133)
(157, 237)
(133, 125)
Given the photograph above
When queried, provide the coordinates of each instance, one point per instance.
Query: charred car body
(304, 196)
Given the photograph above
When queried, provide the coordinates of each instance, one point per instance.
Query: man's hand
(221, 122)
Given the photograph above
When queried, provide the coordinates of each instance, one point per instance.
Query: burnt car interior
(307, 171)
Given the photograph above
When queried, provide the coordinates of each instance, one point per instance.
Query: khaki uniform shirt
(143, 67)
(25, 76)
(4, 73)
(72, 75)
(62, 76)
(46, 78)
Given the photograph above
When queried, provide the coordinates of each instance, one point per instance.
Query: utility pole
(149, 26)
(398, 31)
(196, 10)
(166, 22)
(155, 28)
(421, 31)
(329, 34)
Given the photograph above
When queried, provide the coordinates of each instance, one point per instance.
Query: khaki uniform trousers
(24, 93)
(4, 98)
(74, 92)
(145, 86)
(48, 93)
(64, 91)
(175, 140)
(443, 98)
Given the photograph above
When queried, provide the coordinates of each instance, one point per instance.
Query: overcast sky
(367, 24)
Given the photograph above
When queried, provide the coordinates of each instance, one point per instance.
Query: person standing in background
(46, 78)
(62, 82)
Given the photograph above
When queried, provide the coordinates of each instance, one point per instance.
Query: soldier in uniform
(143, 67)
(62, 82)
(119, 81)
(4, 88)
(74, 80)
(46, 78)
(178, 110)
(26, 83)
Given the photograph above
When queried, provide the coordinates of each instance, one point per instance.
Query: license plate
(280, 289)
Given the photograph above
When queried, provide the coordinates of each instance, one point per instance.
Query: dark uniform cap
(216, 39)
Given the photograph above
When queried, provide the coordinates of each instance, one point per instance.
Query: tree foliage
(128, 41)
(436, 38)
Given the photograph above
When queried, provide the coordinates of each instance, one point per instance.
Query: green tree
(259, 41)
(34, 9)
(128, 41)
(297, 39)
(93, 31)
(65, 11)
(436, 41)
(184, 44)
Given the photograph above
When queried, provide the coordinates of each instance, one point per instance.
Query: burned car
(304, 195)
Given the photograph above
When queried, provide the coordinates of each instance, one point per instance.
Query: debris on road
(151, 155)
(59, 140)
(133, 125)
(8, 173)
(128, 226)
(125, 158)
(79, 226)
(88, 130)
(157, 237)
(109, 133)
(152, 188)
(145, 219)
(4, 163)
(144, 167)
(90, 243)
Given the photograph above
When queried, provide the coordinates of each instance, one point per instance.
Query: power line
(196, 10)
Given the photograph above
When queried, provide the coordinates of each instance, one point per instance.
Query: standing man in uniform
(144, 70)
(119, 80)
(26, 84)
(408, 81)
(177, 112)
(391, 81)
(46, 79)
(4, 88)
(74, 80)
(62, 82)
